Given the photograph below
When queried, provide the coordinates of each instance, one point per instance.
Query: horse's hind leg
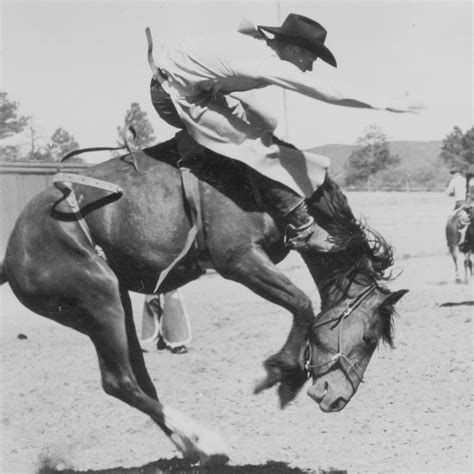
(109, 324)
(135, 353)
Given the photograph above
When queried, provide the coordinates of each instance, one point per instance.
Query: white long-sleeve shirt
(203, 73)
(457, 187)
(233, 62)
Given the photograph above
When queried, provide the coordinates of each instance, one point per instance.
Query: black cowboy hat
(307, 32)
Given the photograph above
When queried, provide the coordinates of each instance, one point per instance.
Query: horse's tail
(3, 275)
(151, 61)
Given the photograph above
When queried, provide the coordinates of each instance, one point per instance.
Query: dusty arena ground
(413, 414)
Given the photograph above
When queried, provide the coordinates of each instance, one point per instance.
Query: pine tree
(137, 118)
(371, 155)
(10, 122)
(452, 150)
(62, 143)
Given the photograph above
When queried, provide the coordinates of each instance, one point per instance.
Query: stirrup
(296, 236)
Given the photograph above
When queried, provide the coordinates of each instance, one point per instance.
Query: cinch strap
(196, 233)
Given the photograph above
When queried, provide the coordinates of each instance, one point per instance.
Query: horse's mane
(366, 255)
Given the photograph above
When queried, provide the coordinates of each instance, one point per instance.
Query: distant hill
(413, 154)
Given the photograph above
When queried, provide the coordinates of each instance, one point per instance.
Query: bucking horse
(75, 261)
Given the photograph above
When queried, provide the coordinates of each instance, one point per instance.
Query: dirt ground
(413, 414)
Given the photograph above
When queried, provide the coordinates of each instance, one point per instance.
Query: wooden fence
(19, 183)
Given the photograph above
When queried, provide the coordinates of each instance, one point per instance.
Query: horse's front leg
(454, 251)
(467, 267)
(256, 271)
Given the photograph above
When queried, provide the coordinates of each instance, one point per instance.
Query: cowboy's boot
(302, 233)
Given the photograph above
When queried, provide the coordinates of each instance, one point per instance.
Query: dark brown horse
(55, 270)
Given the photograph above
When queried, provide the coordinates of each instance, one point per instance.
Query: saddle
(197, 163)
(183, 153)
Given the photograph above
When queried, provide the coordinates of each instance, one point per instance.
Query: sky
(79, 65)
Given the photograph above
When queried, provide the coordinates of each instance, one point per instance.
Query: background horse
(453, 237)
(80, 277)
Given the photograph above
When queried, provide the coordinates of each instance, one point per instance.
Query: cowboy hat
(306, 31)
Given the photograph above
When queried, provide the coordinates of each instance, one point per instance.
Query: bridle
(338, 358)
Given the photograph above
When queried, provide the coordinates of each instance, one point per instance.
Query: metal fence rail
(19, 183)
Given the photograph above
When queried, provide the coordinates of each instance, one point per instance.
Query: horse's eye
(369, 339)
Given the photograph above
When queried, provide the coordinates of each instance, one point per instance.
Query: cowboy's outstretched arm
(284, 74)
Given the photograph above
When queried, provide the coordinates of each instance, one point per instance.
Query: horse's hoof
(195, 441)
(287, 393)
(265, 383)
(274, 375)
(290, 386)
(291, 379)
(458, 281)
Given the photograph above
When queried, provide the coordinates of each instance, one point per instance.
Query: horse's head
(342, 341)
(357, 309)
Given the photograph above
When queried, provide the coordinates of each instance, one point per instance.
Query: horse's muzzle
(330, 394)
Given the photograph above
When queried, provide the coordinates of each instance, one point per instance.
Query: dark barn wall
(19, 183)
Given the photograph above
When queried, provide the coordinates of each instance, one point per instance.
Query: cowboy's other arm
(257, 112)
(450, 189)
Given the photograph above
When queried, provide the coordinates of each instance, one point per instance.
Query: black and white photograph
(236, 237)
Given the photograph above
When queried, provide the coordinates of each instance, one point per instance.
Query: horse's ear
(393, 297)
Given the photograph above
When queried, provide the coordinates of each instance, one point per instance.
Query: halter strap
(349, 308)
(339, 356)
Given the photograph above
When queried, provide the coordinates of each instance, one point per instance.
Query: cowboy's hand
(405, 104)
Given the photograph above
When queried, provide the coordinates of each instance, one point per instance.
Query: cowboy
(457, 187)
(194, 88)
(470, 188)
(468, 215)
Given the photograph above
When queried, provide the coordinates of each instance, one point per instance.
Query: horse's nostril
(338, 404)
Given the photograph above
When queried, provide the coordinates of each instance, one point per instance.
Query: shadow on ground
(181, 466)
(459, 303)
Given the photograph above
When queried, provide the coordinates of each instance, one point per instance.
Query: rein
(339, 357)
(127, 145)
